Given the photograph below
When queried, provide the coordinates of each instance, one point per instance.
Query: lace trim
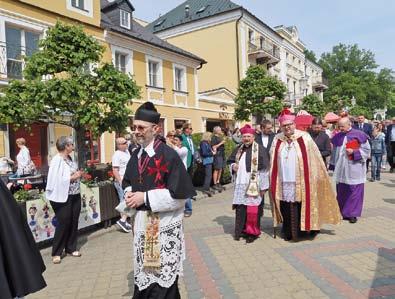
(172, 254)
(240, 197)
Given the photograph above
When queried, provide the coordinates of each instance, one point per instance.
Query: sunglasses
(171, 135)
(123, 143)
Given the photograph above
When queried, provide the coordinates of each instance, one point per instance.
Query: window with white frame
(179, 78)
(153, 73)
(125, 19)
(19, 43)
(120, 62)
(84, 7)
(80, 4)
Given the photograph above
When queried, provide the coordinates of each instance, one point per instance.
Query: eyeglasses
(123, 143)
(287, 125)
(140, 128)
(171, 135)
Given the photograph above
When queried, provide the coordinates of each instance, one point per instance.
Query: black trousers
(208, 176)
(155, 291)
(391, 154)
(66, 232)
(291, 219)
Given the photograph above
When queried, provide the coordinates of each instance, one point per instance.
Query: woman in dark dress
(21, 265)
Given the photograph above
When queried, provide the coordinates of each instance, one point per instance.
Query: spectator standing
(207, 154)
(236, 136)
(378, 150)
(365, 127)
(63, 192)
(188, 143)
(24, 161)
(390, 143)
(182, 151)
(321, 139)
(120, 159)
(266, 135)
(218, 145)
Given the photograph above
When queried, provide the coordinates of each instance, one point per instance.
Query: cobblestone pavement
(345, 261)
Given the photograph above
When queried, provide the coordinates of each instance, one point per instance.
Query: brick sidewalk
(345, 261)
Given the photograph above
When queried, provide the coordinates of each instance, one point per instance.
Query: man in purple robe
(351, 149)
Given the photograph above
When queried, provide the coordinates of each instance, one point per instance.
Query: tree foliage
(310, 55)
(259, 94)
(59, 87)
(312, 104)
(352, 72)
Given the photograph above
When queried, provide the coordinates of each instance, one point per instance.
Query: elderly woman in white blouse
(24, 161)
(63, 192)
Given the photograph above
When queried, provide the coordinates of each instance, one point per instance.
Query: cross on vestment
(151, 242)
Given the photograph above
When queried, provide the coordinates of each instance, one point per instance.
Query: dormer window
(125, 19)
(83, 7)
(202, 9)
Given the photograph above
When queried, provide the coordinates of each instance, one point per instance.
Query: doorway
(36, 141)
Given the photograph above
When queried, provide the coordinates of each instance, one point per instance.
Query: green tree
(352, 73)
(312, 104)
(60, 88)
(310, 55)
(259, 94)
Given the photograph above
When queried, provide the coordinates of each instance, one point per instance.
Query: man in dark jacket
(265, 138)
(320, 138)
(390, 144)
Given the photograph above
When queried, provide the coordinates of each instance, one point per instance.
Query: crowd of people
(153, 177)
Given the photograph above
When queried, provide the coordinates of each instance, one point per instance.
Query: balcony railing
(11, 60)
(264, 49)
(293, 98)
(320, 83)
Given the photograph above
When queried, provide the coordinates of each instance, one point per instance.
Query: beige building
(231, 39)
(167, 74)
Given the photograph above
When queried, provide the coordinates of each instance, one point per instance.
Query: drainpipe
(238, 47)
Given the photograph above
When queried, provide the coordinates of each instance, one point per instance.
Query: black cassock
(21, 265)
(165, 171)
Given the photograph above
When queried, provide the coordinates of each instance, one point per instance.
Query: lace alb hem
(240, 197)
(172, 255)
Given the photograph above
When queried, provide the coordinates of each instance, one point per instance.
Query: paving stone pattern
(345, 261)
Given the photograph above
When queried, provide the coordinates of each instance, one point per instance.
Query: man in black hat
(156, 184)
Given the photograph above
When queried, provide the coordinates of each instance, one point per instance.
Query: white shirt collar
(149, 149)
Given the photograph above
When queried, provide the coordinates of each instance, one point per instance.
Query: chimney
(187, 11)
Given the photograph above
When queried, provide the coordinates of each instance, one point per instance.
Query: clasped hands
(134, 199)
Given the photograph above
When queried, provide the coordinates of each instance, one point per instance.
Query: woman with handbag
(63, 192)
(207, 153)
(24, 161)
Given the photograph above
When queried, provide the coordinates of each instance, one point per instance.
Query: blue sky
(321, 23)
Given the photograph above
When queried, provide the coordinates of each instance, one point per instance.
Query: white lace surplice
(288, 160)
(171, 237)
(242, 181)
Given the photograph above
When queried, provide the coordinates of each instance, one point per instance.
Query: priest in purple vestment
(351, 149)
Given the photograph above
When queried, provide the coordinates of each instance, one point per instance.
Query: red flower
(110, 174)
(87, 177)
(27, 187)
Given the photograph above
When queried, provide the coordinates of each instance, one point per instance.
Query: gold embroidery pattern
(152, 244)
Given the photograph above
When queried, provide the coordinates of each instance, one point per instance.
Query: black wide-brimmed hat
(147, 112)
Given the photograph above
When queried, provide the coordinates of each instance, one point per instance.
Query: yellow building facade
(167, 75)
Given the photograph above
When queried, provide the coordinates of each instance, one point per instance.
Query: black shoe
(353, 220)
(372, 180)
(250, 239)
(391, 170)
(236, 238)
(216, 187)
(208, 193)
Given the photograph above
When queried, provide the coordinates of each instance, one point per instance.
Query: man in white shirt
(119, 161)
(266, 136)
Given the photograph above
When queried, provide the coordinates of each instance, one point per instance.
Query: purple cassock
(350, 174)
